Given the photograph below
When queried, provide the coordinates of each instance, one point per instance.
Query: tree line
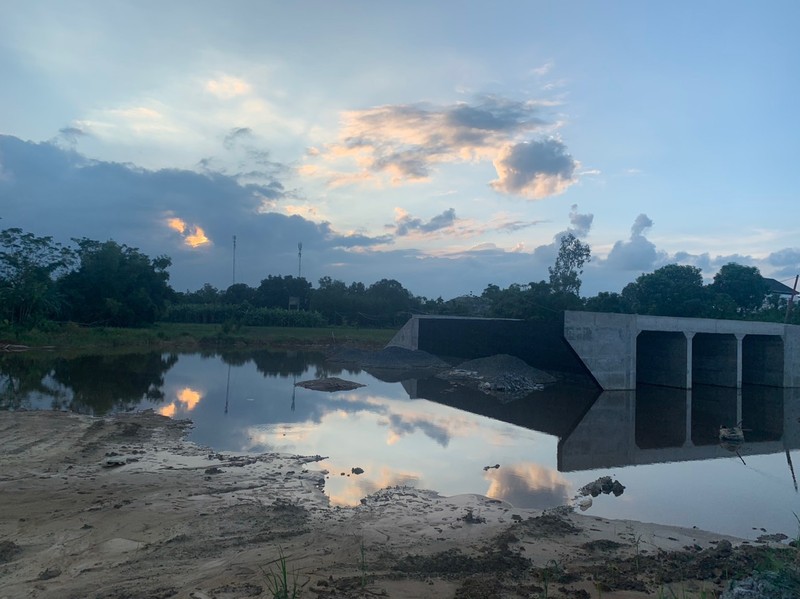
(111, 284)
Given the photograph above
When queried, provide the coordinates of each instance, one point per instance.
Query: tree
(116, 285)
(388, 302)
(29, 266)
(672, 290)
(275, 291)
(607, 302)
(744, 285)
(565, 273)
(239, 293)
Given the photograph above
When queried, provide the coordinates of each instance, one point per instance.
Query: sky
(447, 145)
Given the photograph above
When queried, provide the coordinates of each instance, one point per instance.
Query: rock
(49, 573)
(8, 550)
(603, 485)
(357, 470)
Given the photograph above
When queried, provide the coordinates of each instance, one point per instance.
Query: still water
(661, 444)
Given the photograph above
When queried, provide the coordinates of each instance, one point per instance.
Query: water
(661, 444)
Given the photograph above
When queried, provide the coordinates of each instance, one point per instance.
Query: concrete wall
(606, 343)
(540, 344)
(623, 349)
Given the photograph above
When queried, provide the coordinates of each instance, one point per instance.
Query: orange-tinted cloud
(403, 144)
(193, 235)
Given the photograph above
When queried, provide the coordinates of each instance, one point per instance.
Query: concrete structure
(651, 426)
(621, 350)
(540, 344)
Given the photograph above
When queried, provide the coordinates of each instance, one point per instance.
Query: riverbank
(124, 507)
(71, 339)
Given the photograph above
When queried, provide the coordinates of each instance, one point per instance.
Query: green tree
(29, 266)
(606, 301)
(239, 293)
(275, 291)
(116, 285)
(744, 285)
(672, 290)
(565, 273)
(387, 302)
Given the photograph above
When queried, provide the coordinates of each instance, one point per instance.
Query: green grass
(280, 584)
(70, 338)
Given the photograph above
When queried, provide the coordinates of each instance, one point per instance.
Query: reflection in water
(429, 434)
(528, 486)
(186, 401)
(86, 384)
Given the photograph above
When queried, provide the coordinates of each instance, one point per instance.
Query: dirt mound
(502, 376)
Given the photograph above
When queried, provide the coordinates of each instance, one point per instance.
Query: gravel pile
(502, 376)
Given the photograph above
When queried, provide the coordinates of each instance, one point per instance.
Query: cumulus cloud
(189, 216)
(637, 253)
(581, 223)
(535, 169)
(404, 143)
(785, 257)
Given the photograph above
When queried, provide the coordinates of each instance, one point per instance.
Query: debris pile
(502, 376)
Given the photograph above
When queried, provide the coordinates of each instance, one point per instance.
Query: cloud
(534, 170)
(236, 134)
(405, 223)
(637, 253)
(71, 135)
(581, 223)
(227, 87)
(786, 257)
(404, 143)
(49, 190)
(193, 235)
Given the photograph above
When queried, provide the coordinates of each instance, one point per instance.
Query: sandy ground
(125, 508)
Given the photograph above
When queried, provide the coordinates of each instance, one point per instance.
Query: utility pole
(791, 301)
(234, 260)
(299, 259)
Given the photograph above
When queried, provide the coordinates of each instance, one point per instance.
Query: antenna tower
(234, 260)
(299, 259)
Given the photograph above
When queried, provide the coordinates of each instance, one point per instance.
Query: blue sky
(447, 145)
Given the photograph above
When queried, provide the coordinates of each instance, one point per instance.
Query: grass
(669, 593)
(280, 584)
(70, 338)
(363, 563)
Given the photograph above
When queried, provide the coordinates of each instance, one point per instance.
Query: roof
(778, 287)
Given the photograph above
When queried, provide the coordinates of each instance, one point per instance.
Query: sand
(125, 507)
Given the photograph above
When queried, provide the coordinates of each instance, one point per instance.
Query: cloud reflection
(528, 486)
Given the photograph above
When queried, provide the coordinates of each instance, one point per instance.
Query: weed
(636, 542)
(551, 570)
(363, 563)
(279, 583)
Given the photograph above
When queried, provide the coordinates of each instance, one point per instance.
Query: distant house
(779, 289)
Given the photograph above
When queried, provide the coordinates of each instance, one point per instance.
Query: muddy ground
(125, 508)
